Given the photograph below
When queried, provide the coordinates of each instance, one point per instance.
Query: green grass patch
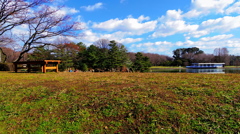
(119, 103)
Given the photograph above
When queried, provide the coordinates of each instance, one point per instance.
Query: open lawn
(119, 103)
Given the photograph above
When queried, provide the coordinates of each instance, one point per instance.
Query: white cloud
(93, 7)
(211, 5)
(171, 15)
(155, 44)
(234, 9)
(197, 34)
(217, 37)
(234, 43)
(132, 25)
(142, 18)
(173, 23)
(72, 10)
(152, 47)
(192, 14)
(20, 30)
(130, 40)
(221, 25)
(210, 43)
(173, 27)
(204, 7)
(89, 37)
(224, 24)
(64, 11)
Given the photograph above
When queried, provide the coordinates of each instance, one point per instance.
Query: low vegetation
(119, 103)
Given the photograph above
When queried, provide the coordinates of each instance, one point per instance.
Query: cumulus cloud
(224, 24)
(173, 23)
(173, 27)
(204, 7)
(171, 15)
(93, 7)
(211, 5)
(89, 36)
(135, 26)
(221, 25)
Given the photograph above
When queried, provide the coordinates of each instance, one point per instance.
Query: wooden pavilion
(44, 65)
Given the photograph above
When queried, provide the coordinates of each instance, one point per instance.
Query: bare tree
(14, 13)
(221, 55)
(46, 25)
(155, 59)
(102, 43)
(204, 58)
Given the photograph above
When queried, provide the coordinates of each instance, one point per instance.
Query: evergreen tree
(41, 53)
(186, 56)
(117, 55)
(91, 57)
(141, 63)
(104, 57)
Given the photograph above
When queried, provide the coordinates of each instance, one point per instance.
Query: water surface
(185, 70)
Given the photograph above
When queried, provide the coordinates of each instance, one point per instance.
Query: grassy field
(119, 103)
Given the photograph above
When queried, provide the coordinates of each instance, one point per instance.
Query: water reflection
(218, 71)
(184, 70)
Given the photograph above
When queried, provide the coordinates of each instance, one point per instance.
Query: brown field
(119, 103)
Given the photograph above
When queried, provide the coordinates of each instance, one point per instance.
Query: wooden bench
(44, 65)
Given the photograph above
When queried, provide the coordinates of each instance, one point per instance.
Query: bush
(83, 67)
(4, 67)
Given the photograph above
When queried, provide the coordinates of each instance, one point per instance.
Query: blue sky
(159, 26)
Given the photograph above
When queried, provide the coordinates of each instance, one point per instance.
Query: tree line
(186, 56)
(102, 55)
(105, 55)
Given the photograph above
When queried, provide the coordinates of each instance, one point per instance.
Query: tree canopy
(186, 55)
(104, 57)
(141, 63)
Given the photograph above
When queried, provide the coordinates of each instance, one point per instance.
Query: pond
(185, 70)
